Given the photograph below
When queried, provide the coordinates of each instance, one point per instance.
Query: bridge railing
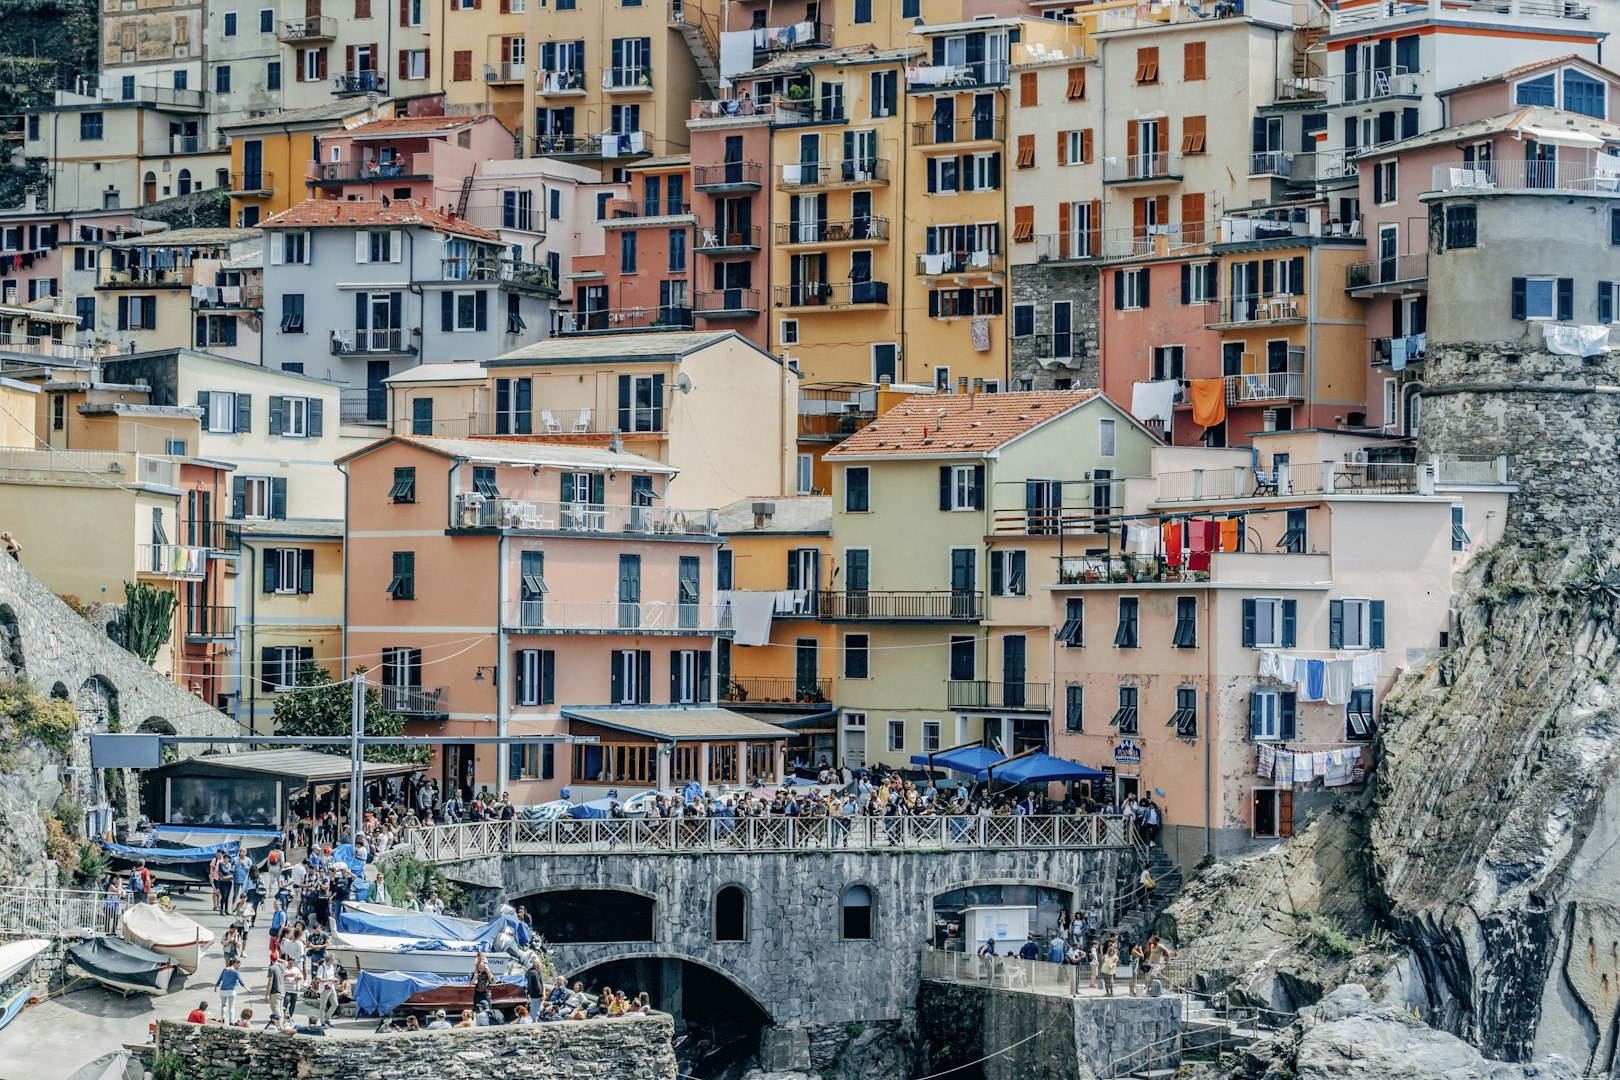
(569, 836)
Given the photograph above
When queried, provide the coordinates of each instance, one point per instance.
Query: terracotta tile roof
(1535, 65)
(413, 125)
(959, 424)
(346, 213)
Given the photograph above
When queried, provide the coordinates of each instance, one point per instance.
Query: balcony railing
(213, 535)
(1390, 270)
(1081, 513)
(1299, 478)
(778, 691)
(1142, 168)
(834, 425)
(505, 73)
(1265, 386)
(631, 209)
(536, 277)
(231, 298)
(1527, 176)
(247, 183)
(359, 82)
(1498, 12)
(956, 76)
(547, 422)
(628, 78)
(344, 342)
(37, 345)
(745, 108)
(591, 616)
(171, 560)
(563, 81)
(118, 465)
(414, 701)
(832, 232)
(813, 174)
(961, 262)
(1375, 84)
(614, 320)
(981, 694)
(791, 111)
(816, 295)
(363, 406)
(469, 270)
(1265, 310)
(800, 35)
(192, 144)
(308, 31)
(852, 605)
(734, 303)
(961, 130)
(716, 240)
(731, 176)
(1271, 163)
(210, 623)
(363, 169)
(607, 145)
(149, 277)
(1301, 88)
(479, 512)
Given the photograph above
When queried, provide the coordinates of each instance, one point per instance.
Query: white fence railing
(569, 836)
(37, 911)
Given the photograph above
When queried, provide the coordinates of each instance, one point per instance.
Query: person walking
(1094, 957)
(1137, 956)
(1110, 963)
(230, 981)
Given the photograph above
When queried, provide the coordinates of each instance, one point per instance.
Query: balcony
(1301, 90)
(416, 702)
(619, 80)
(314, 30)
(1326, 166)
(1142, 168)
(149, 277)
(1283, 309)
(502, 74)
(232, 298)
(1080, 508)
(964, 132)
(727, 304)
(77, 466)
(869, 606)
(1265, 387)
(365, 170)
(528, 277)
(811, 175)
(476, 511)
(252, 183)
(734, 241)
(813, 296)
(552, 422)
(619, 320)
(570, 81)
(363, 406)
(469, 270)
(210, 623)
(1076, 246)
(778, 691)
(820, 233)
(934, 78)
(1393, 273)
(1373, 85)
(733, 112)
(1263, 567)
(965, 263)
(731, 176)
(565, 147)
(372, 342)
(626, 213)
(800, 35)
(1271, 163)
(351, 83)
(1298, 478)
(155, 95)
(608, 617)
(179, 561)
(41, 345)
(831, 415)
(1581, 176)
(795, 112)
(981, 694)
(194, 144)
(1413, 350)
(213, 535)
(1503, 14)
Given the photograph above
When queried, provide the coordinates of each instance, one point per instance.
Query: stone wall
(960, 1025)
(1040, 284)
(794, 962)
(639, 1047)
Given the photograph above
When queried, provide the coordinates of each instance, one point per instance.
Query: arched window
(731, 914)
(856, 908)
(185, 181)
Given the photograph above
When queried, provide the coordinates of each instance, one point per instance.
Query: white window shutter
(360, 249)
(309, 248)
(276, 241)
(394, 244)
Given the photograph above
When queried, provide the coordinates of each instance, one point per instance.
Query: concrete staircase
(1205, 1031)
(1137, 924)
(700, 30)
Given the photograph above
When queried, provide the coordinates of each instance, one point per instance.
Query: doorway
(1130, 787)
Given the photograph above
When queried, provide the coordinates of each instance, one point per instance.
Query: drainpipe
(1209, 724)
(344, 649)
(502, 720)
(249, 632)
(413, 287)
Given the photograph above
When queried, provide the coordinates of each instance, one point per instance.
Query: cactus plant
(148, 619)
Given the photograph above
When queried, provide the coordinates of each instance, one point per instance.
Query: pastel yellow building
(271, 155)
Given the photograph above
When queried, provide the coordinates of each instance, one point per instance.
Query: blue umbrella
(968, 758)
(1037, 768)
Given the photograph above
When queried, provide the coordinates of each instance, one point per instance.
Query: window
(289, 571)
(1543, 298)
(806, 479)
(857, 656)
(1106, 437)
(631, 679)
(422, 416)
(1386, 182)
(258, 496)
(883, 95)
(1192, 61)
(292, 313)
(689, 682)
(963, 657)
(863, 14)
(1186, 635)
(1358, 716)
(1193, 131)
(1023, 320)
(1185, 718)
(897, 736)
(404, 489)
(1073, 631)
(402, 584)
(278, 666)
(677, 251)
(463, 310)
(961, 487)
(731, 914)
(1147, 65)
(484, 481)
(313, 69)
(1074, 695)
(1294, 536)
(90, 126)
(291, 247)
(857, 489)
(225, 413)
(627, 252)
(230, 24)
(1128, 634)
(1075, 90)
(641, 403)
(1199, 283)
(1459, 534)
(1007, 573)
(1062, 329)
(416, 64)
(1126, 717)
(1355, 624)
(267, 20)
(527, 761)
(514, 314)
(222, 79)
(1272, 715)
(294, 417)
(1461, 227)
(1268, 623)
(856, 904)
(789, 334)
(1583, 94)
(1130, 289)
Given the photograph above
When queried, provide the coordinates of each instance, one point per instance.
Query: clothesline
(1329, 681)
(1335, 768)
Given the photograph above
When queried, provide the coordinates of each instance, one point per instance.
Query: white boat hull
(17, 956)
(187, 957)
(365, 956)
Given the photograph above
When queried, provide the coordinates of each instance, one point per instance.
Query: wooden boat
(13, 1003)
(121, 965)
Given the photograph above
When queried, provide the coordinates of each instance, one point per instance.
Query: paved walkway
(57, 1036)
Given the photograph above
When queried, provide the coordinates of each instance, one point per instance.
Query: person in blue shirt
(229, 982)
(278, 919)
(239, 879)
(1056, 951)
(1030, 951)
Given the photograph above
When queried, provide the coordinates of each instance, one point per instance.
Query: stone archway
(97, 702)
(156, 725)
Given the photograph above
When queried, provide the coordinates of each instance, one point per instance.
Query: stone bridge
(773, 922)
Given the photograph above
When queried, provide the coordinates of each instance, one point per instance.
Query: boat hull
(430, 961)
(14, 1003)
(16, 956)
(121, 966)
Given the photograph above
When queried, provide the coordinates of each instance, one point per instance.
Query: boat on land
(121, 965)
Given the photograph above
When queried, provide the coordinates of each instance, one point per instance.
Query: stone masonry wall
(1040, 284)
(639, 1047)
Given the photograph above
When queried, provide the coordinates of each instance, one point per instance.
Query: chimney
(616, 444)
(763, 512)
(885, 380)
(961, 384)
(978, 386)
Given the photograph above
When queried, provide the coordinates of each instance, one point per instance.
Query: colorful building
(424, 158)
(643, 280)
(271, 155)
(198, 287)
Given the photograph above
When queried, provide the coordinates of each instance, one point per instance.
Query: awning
(309, 765)
(967, 758)
(676, 724)
(1035, 767)
(1561, 138)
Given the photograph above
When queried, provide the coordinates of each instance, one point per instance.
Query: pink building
(548, 590)
(643, 280)
(731, 160)
(425, 158)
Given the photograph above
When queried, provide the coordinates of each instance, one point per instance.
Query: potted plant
(798, 92)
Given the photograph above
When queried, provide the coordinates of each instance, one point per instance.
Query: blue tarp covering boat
(378, 993)
(427, 926)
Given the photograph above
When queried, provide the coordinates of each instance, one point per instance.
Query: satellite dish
(683, 383)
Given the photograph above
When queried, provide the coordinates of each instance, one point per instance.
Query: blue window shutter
(1335, 624)
(1286, 712)
(447, 311)
(1254, 711)
(548, 679)
(1375, 624)
(944, 487)
(1517, 303)
(1248, 624)
(1605, 302)
(1290, 611)
(1566, 299)
(481, 310)
(978, 487)
(272, 571)
(278, 498)
(360, 301)
(616, 683)
(306, 571)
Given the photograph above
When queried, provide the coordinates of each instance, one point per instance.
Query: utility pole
(357, 770)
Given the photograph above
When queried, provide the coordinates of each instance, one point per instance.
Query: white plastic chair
(549, 422)
(582, 423)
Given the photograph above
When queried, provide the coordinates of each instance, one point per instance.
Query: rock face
(1349, 1036)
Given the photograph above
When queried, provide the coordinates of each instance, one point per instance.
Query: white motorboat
(168, 932)
(16, 956)
(380, 952)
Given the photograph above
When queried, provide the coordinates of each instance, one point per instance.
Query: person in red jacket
(199, 1015)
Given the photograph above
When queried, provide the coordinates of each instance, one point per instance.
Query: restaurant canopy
(1036, 767)
(967, 758)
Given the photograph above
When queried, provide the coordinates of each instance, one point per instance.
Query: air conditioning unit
(470, 509)
(1356, 457)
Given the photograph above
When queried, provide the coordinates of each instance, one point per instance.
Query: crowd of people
(1079, 944)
